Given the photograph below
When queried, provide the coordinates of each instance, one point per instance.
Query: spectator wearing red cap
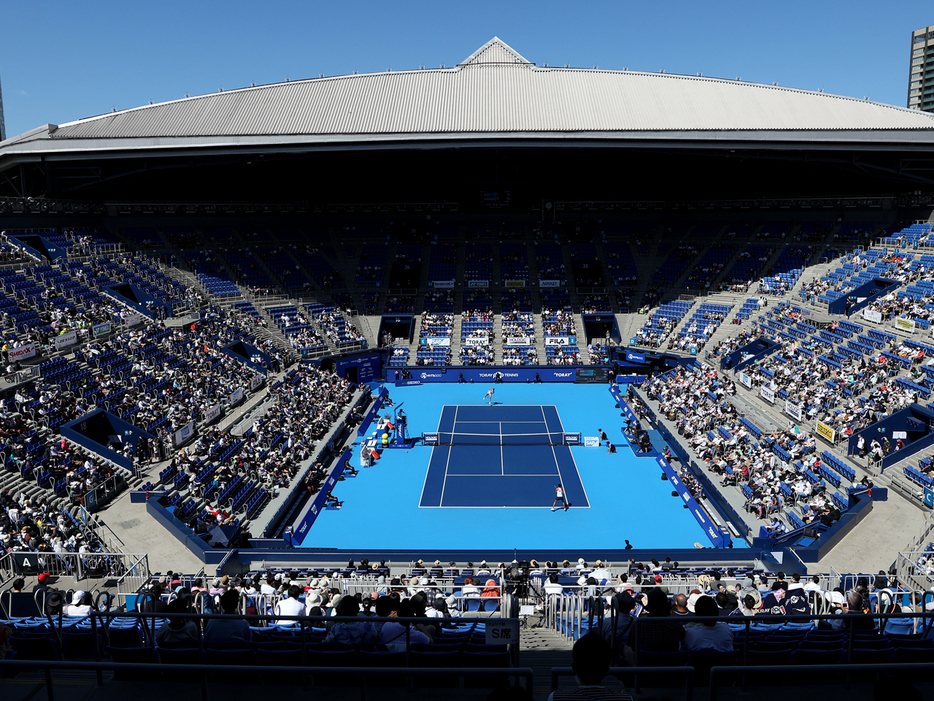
(43, 584)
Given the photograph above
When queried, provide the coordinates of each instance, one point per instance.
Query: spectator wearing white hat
(79, 604)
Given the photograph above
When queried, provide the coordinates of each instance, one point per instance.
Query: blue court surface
(494, 486)
(503, 456)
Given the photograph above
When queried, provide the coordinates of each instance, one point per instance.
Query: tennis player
(559, 498)
(489, 396)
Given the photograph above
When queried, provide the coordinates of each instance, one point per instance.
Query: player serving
(489, 396)
(560, 499)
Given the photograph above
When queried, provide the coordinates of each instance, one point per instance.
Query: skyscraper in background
(2, 123)
(921, 73)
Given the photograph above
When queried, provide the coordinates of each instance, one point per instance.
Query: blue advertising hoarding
(717, 537)
(367, 367)
(372, 412)
(634, 357)
(314, 507)
(511, 374)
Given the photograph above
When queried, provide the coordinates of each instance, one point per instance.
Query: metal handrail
(780, 671)
(686, 672)
(361, 673)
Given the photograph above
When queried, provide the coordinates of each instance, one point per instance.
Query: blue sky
(63, 61)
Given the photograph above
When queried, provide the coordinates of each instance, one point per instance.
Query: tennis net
(463, 438)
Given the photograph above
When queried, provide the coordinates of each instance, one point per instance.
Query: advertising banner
(591, 442)
(561, 341)
(635, 357)
(714, 534)
(826, 432)
(184, 433)
(793, 410)
(373, 411)
(212, 413)
(367, 367)
(132, 319)
(512, 284)
(66, 339)
(487, 374)
(438, 341)
(101, 329)
(549, 283)
(478, 283)
(872, 315)
(27, 350)
(236, 397)
(476, 341)
(905, 324)
(256, 382)
(767, 393)
(443, 284)
(519, 341)
(745, 380)
(630, 379)
(305, 522)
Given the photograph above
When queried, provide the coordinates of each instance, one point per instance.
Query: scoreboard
(595, 375)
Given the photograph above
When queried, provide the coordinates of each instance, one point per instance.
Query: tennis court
(625, 496)
(501, 456)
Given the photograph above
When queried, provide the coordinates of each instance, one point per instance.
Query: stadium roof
(494, 93)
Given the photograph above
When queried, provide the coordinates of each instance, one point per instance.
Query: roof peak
(496, 51)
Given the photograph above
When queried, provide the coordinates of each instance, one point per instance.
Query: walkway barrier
(726, 676)
(304, 629)
(78, 565)
(638, 673)
(575, 615)
(357, 676)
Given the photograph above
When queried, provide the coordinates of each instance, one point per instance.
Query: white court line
(502, 458)
(571, 453)
(425, 483)
(446, 467)
(458, 474)
(446, 464)
(496, 507)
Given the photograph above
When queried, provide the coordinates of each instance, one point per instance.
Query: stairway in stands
(541, 649)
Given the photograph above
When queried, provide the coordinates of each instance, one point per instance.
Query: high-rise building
(921, 73)
(2, 123)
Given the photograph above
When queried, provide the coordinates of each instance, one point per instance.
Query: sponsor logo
(563, 374)
(23, 352)
(426, 375)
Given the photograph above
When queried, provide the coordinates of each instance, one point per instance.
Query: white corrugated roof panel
(497, 91)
